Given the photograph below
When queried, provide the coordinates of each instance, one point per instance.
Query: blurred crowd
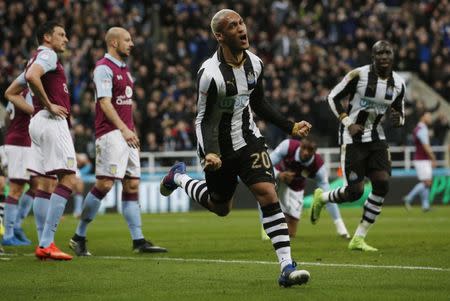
(307, 47)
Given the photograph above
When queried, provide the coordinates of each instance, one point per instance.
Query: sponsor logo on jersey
(368, 103)
(238, 101)
(123, 100)
(119, 77)
(226, 103)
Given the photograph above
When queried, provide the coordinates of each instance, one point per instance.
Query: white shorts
(18, 157)
(52, 150)
(423, 169)
(115, 158)
(291, 201)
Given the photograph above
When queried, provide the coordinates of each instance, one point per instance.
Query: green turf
(404, 239)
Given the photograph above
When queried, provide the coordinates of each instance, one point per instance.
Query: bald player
(230, 145)
(372, 90)
(117, 145)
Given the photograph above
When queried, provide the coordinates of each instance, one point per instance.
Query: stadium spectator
(440, 126)
(318, 43)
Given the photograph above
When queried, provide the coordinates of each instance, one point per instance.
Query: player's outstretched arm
(265, 111)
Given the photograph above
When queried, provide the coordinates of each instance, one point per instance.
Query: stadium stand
(307, 46)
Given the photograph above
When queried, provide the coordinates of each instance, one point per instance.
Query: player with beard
(372, 90)
(117, 145)
(230, 86)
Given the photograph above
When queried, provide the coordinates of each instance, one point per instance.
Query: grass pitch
(212, 258)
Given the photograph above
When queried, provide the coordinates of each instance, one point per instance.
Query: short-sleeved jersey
(224, 122)
(54, 79)
(421, 137)
(286, 157)
(113, 79)
(370, 97)
(17, 132)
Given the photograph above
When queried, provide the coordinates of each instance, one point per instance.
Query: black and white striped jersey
(226, 96)
(369, 98)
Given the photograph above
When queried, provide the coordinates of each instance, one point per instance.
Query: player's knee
(46, 184)
(68, 180)
(15, 190)
(266, 196)
(222, 212)
(354, 192)
(104, 185)
(34, 183)
(427, 183)
(380, 188)
(221, 209)
(132, 186)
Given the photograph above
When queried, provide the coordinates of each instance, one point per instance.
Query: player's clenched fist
(212, 162)
(301, 129)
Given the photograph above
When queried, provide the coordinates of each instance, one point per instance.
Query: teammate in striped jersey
(424, 161)
(372, 89)
(230, 85)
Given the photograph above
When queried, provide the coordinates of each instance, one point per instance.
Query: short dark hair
(308, 143)
(46, 28)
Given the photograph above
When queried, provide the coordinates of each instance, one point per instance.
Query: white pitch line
(231, 261)
(235, 261)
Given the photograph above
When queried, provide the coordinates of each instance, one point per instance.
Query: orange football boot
(51, 252)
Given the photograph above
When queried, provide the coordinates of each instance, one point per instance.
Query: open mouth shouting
(243, 38)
